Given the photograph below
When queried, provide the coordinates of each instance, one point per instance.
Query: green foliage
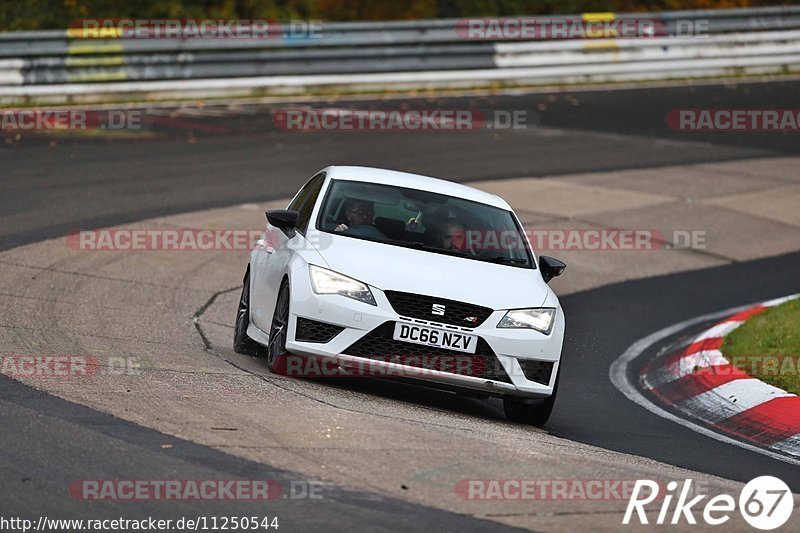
(51, 14)
(767, 346)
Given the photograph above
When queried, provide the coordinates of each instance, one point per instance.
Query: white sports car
(381, 273)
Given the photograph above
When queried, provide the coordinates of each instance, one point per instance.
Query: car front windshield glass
(423, 220)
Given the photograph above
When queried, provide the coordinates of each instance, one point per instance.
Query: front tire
(241, 342)
(276, 351)
(533, 412)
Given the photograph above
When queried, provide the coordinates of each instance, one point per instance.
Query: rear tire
(276, 351)
(241, 342)
(528, 411)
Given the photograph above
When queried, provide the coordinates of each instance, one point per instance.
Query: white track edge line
(618, 373)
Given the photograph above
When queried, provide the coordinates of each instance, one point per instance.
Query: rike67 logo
(765, 503)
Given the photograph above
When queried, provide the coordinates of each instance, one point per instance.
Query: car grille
(380, 346)
(538, 371)
(455, 313)
(313, 331)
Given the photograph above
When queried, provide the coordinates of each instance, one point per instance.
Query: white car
(392, 274)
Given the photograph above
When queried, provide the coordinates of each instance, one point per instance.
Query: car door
(274, 251)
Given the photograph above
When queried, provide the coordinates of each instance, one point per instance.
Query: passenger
(453, 236)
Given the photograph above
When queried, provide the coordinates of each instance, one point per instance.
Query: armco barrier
(58, 65)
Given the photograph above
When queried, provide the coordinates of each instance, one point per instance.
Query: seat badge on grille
(471, 319)
(437, 309)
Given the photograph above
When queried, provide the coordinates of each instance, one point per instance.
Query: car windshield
(425, 221)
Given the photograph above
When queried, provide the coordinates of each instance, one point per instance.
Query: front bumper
(358, 320)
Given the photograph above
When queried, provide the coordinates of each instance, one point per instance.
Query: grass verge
(767, 346)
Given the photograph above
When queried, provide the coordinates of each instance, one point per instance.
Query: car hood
(396, 268)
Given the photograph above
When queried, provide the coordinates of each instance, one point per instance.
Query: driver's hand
(341, 227)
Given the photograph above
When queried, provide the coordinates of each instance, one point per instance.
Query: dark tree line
(50, 14)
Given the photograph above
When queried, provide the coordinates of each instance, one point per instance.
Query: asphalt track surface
(54, 185)
(197, 162)
(605, 321)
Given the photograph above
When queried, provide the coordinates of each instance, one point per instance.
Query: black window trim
(318, 226)
(322, 175)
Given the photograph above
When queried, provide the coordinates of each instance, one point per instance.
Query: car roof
(414, 181)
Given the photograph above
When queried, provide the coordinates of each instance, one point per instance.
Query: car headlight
(540, 319)
(325, 281)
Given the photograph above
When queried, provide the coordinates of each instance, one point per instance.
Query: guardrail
(59, 65)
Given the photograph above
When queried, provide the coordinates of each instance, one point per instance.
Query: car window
(304, 202)
(423, 220)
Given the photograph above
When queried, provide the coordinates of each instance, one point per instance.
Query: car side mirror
(283, 219)
(550, 267)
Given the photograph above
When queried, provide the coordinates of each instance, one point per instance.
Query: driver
(357, 213)
(453, 236)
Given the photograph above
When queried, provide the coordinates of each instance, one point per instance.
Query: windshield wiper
(505, 260)
(407, 244)
(417, 245)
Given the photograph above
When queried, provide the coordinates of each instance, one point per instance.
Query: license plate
(438, 338)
